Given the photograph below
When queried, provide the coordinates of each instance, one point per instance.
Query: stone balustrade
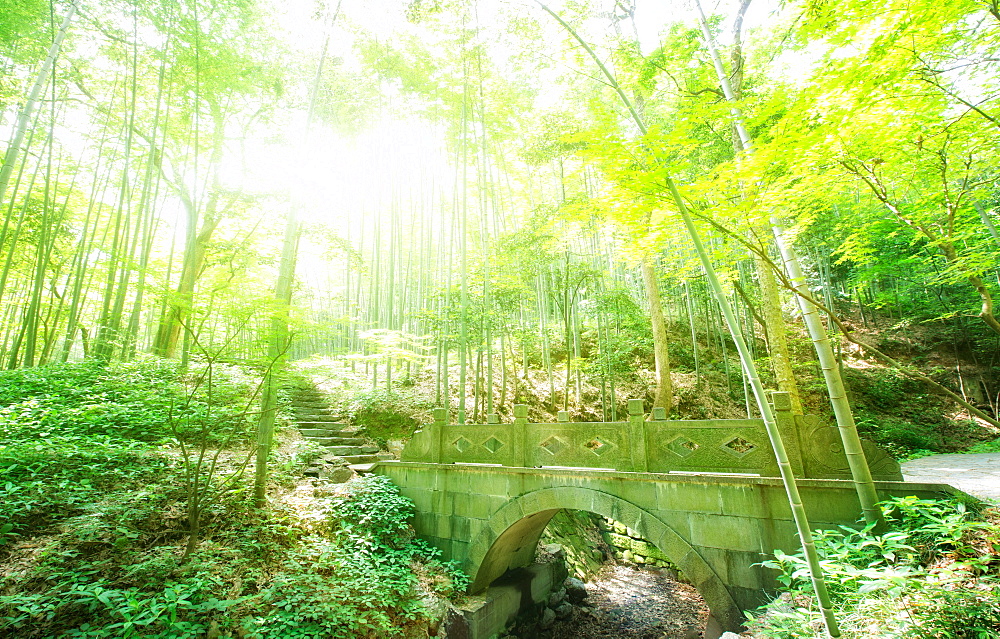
(656, 445)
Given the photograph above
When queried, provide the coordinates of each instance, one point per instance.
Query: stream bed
(625, 602)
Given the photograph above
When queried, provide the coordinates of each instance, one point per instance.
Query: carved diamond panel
(553, 445)
(738, 447)
(493, 444)
(682, 446)
(462, 444)
(598, 446)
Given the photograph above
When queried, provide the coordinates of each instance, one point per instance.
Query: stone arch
(509, 537)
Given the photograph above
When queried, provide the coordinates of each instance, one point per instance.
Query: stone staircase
(345, 450)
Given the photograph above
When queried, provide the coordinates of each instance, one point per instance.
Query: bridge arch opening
(510, 537)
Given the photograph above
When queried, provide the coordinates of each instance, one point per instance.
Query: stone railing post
(492, 418)
(659, 414)
(520, 455)
(637, 436)
(782, 404)
(437, 433)
(562, 416)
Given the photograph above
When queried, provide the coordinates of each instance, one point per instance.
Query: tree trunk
(20, 128)
(770, 308)
(664, 394)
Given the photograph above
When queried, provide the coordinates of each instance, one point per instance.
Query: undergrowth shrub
(93, 514)
(896, 412)
(128, 401)
(986, 447)
(70, 433)
(934, 575)
(361, 581)
(385, 414)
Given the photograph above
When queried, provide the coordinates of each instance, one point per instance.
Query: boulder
(556, 550)
(557, 597)
(337, 475)
(576, 592)
(548, 618)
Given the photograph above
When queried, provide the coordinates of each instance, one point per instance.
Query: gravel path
(626, 602)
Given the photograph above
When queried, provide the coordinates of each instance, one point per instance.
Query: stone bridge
(706, 493)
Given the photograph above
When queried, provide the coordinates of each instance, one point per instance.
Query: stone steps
(327, 432)
(344, 448)
(315, 417)
(337, 441)
(329, 425)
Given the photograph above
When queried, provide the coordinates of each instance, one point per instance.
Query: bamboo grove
(473, 201)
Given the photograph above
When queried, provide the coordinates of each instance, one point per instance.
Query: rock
(368, 450)
(323, 490)
(437, 611)
(548, 618)
(556, 550)
(557, 597)
(564, 611)
(337, 475)
(729, 635)
(628, 556)
(576, 592)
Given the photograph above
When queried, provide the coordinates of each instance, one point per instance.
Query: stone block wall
(628, 546)
(581, 540)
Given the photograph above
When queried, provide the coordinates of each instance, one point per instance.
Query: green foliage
(107, 572)
(622, 349)
(362, 584)
(20, 36)
(124, 402)
(896, 412)
(129, 401)
(899, 436)
(373, 515)
(111, 568)
(71, 434)
(986, 447)
(937, 564)
(385, 414)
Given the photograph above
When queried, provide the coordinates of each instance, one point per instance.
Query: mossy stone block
(732, 533)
